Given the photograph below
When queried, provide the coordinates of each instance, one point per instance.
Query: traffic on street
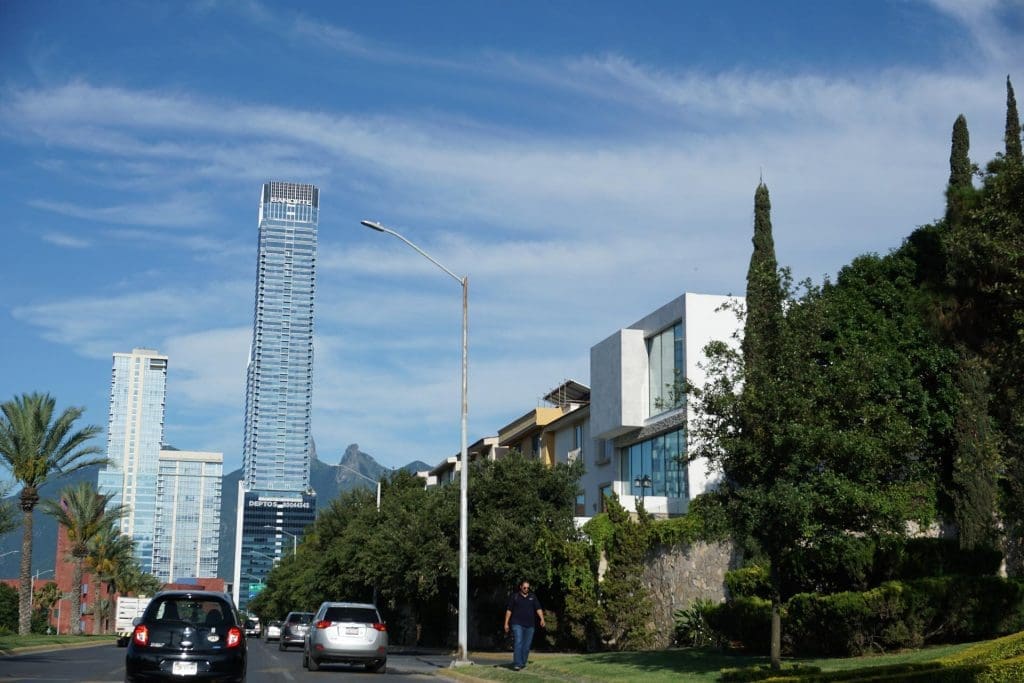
(266, 664)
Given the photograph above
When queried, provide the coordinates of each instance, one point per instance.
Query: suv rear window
(300, 618)
(358, 615)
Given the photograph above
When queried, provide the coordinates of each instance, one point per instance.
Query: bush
(748, 582)
(918, 558)
(692, 626)
(743, 622)
(903, 614)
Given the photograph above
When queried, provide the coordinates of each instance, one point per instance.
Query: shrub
(744, 622)
(692, 626)
(748, 582)
(917, 558)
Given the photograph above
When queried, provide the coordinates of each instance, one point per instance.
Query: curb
(32, 649)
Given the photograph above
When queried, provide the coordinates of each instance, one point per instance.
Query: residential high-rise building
(135, 431)
(187, 522)
(275, 500)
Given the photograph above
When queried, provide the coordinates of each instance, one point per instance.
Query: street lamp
(35, 577)
(462, 656)
(295, 539)
(643, 483)
(356, 472)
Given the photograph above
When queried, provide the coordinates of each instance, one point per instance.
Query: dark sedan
(187, 635)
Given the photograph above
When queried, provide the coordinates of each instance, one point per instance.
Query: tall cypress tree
(960, 172)
(762, 370)
(976, 464)
(1013, 154)
(764, 293)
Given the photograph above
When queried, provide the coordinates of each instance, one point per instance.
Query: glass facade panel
(665, 369)
(659, 459)
(277, 444)
(187, 529)
(135, 431)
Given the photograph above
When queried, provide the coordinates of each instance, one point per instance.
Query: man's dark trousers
(522, 637)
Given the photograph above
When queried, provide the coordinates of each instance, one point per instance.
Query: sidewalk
(51, 647)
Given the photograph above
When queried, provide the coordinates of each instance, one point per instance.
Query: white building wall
(620, 402)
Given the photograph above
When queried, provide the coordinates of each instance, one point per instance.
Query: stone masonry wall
(676, 576)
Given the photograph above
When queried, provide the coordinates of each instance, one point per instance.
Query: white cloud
(62, 239)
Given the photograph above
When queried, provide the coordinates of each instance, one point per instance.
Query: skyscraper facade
(135, 431)
(279, 386)
(187, 521)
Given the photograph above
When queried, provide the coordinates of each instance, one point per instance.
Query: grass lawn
(10, 641)
(670, 665)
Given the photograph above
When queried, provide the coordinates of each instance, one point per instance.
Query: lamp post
(32, 593)
(295, 539)
(643, 483)
(369, 479)
(462, 657)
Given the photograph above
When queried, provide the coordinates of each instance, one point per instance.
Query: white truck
(127, 609)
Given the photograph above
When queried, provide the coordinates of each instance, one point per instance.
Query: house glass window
(665, 369)
(581, 505)
(659, 459)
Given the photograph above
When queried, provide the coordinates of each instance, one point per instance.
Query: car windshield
(358, 615)
(249, 623)
(199, 611)
(300, 618)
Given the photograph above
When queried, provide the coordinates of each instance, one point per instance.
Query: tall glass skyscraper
(187, 521)
(135, 430)
(275, 500)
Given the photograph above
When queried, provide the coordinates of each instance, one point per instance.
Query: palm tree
(36, 447)
(82, 511)
(108, 552)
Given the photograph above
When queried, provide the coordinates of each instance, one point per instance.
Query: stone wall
(676, 576)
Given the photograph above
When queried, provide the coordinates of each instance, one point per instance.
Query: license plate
(351, 630)
(184, 668)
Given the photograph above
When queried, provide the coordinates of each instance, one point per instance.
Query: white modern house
(638, 424)
(630, 427)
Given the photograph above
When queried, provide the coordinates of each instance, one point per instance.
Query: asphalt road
(105, 663)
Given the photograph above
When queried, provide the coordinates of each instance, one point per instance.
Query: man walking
(522, 612)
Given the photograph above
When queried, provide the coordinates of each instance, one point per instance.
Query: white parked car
(273, 631)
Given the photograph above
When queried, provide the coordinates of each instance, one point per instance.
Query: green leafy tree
(822, 425)
(37, 445)
(986, 269)
(108, 551)
(8, 608)
(625, 605)
(1011, 137)
(961, 171)
(44, 600)
(977, 464)
(85, 513)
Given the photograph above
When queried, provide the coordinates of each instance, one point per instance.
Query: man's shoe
(517, 668)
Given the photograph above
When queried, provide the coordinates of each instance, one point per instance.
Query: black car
(190, 636)
(294, 629)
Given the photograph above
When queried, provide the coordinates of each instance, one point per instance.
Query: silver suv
(294, 629)
(347, 633)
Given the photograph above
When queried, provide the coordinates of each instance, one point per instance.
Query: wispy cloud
(182, 211)
(65, 240)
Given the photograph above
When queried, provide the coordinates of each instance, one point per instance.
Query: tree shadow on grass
(690, 660)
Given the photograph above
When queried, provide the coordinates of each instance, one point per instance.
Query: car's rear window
(199, 611)
(300, 618)
(358, 615)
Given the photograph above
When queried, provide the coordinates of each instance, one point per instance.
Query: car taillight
(234, 637)
(324, 624)
(141, 635)
(379, 627)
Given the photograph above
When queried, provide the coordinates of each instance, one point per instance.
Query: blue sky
(582, 162)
